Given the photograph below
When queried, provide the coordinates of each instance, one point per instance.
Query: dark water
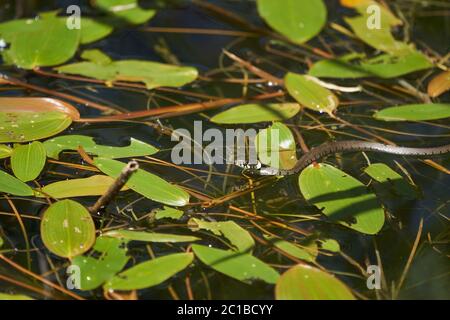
(429, 274)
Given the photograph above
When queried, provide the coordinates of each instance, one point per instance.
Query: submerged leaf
(152, 74)
(415, 112)
(304, 282)
(238, 236)
(27, 161)
(149, 236)
(310, 94)
(109, 256)
(146, 184)
(96, 185)
(342, 198)
(241, 266)
(12, 185)
(254, 113)
(67, 229)
(136, 148)
(150, 273)
(299, 21)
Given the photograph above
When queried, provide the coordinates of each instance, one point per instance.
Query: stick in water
(115, 188)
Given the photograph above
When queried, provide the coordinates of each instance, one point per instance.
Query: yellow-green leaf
(307, 252)
(5, 151)
(168, 212)
(149, 236)
(415, 112)
(126, 10)
(27, 161)
(12, 185)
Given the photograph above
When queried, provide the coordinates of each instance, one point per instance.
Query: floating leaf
(150, 273)
(168, 212)
(109, 256)
(28, 119)
(415, 112)
(342, 198)
(330, 245)
(136, 148)
(390, 180)
(96, 185)
(39, 42)
(238, 237)
(94, 30)
(383, 66)
(299, 21)
(238, 265)
(67, 229)
(127, 10)
(96, 56)
(254, 113)
(12, 185)
(5, 151)
(149, 236)
(308, 252)
(27, 161)
(439, 84)
(276, 146)
(6, 296)
(304, 282)
(153, 74)
(310, 94)
(146, 184)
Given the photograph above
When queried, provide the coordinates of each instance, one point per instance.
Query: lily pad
(304, 282)
(28, 119)
(149, 236)
(240, 266)
(146, 184)
(152, 74)
(276, 146)
(299, 21)
(136, 148)
(12, 185)
(254, 113)
(342, 198)
(108, 257)
(415, 112)
(96, 185)
(150, 273)
(67, 229)
(238, 237)
(27, 161)
(310, 94)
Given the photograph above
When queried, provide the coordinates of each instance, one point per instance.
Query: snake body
(328, 148)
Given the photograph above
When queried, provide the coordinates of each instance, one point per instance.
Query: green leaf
(27, 161)
(169, 213)
(390, 180)
(110, 258)
(238, 237)
(152, 74)
(6, 296)
(254, 113)
(93, 30)
(146, 184)
(304, 282)
(415, 112)
(39, 42)
(127, 10)
(149, 236)
(299, 21)
(67, 229)
(12, 185)
(5, 151)
(310, 94)
(384, 66)
(306, 252)
(1, 242)
(136, 148)
(276, 146)
(28, 119)
(330, 245)
(96, 185)
(241, 266)
(150, 273)
(342, 198)
(96, 56)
